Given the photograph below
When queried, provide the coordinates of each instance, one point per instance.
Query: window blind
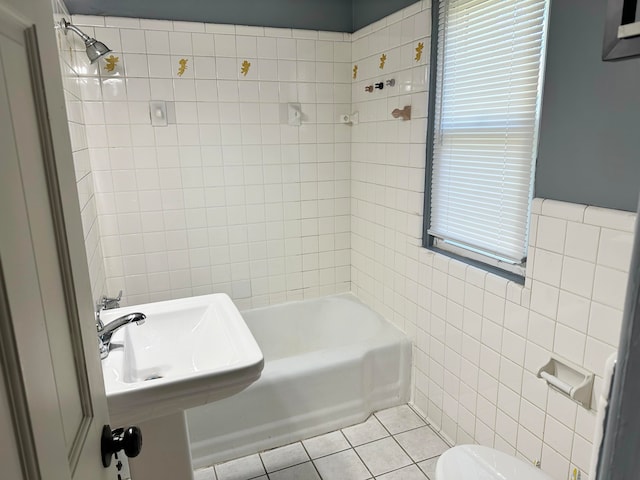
(487, 103)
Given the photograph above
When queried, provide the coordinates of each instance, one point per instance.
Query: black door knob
(112, 441)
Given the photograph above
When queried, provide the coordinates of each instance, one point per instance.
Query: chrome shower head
(94, 48)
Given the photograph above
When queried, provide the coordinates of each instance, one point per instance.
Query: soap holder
(568, 380)
(349, 119)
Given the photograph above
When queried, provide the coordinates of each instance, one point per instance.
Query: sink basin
(188, 352)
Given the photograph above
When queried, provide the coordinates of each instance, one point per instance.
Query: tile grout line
(359, 457)
(426, 424)
(311, 459)
(398, 443)
(390, 435)
(350, 448)
(263, 466)
(430, 426)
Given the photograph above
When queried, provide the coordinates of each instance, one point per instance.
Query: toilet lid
(475, 462)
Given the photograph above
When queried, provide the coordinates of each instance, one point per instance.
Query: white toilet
(475, 462)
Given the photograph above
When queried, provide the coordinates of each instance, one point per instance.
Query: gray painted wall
(329, 15)
(590, 130)
(366, 12)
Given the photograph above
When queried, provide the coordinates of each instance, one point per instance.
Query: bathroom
(229, 194)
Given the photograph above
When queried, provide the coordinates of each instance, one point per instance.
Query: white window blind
(487, 103)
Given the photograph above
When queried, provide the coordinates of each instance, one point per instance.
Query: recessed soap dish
(568, 380)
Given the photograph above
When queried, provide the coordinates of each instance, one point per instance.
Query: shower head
(94, 48)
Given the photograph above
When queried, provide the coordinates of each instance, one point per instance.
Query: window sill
(513, 277)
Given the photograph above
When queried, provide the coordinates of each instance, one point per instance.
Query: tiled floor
(393, 444)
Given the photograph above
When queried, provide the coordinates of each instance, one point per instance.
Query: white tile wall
(478, 338)
(226, 198)
(72, 66)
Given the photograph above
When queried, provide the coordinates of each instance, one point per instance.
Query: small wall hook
(379, 85)
(369, 88)
(405, 113)
(391, 83)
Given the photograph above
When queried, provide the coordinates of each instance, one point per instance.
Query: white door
(51, 389)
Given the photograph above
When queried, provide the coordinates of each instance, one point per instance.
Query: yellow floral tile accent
(419, 49)
(111, 62)
(383, 59)
(355, 72)
(183, 66)
(245, 68)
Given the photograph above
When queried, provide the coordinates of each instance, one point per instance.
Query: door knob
(112, 441)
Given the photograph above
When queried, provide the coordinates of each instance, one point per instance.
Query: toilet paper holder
(569, 380)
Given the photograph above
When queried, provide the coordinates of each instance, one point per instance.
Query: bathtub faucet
(106, 331)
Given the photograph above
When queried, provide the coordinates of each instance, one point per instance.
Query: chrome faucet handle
(108, 303)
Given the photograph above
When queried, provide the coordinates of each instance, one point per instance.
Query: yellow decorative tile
(111, 62)
(419, 49)
(183, 66)
(355, 72)
(383, 59)
(245, 68)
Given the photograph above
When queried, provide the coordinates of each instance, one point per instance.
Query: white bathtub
(329, 363)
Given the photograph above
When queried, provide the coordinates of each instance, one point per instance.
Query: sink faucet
(106, 331)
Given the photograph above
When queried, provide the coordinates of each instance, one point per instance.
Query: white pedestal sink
(188, 352)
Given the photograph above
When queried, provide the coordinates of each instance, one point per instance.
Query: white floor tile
(383, 456)
(284, 457)
(359, 452)
(342, 466)
(304, 471)
(205, 474)
(421, 443)
(429, 467)
(241, 469)
(407, 473)
(365, 432)
(399, 419)
(326, 444)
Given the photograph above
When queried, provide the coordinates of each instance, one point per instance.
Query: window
(484, 128)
